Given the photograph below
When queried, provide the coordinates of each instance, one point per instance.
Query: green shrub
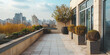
(80, 30)
(32, 30)
(15, 35)
(93, 35)
(37, 27)
(26, 31)
(71, 28)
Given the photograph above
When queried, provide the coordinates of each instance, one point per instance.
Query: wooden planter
(79, 40)
(93, 47)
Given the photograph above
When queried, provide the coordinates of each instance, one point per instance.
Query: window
(83, 6)
(86, 14)
(106, 25)
(89, 3)
(92, 17)
(74, 17)
(82, 18)
(88, 19)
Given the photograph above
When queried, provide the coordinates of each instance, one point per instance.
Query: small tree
(62, 14)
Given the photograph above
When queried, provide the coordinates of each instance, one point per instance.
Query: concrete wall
(60, 25)
(97, 15)
(17, 46)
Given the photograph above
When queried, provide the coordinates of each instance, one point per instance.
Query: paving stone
(55, 44)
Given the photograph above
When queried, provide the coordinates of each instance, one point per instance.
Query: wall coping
(14, 42)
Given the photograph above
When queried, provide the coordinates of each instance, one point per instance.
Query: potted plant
(71, 29)
(93, 42)
(63, 14)
(79, 35)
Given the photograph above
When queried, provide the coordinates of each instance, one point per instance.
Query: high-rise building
(19, 18)
(34, 20)
(24, 20)
(2, 22)
(9, 20)
(29, 23)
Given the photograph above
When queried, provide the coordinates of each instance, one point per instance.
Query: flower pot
(93, 47)
(79, 40)
(64, 30)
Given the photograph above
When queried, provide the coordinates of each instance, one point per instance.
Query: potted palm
(63, 14)
(79, 36)
(93, 42)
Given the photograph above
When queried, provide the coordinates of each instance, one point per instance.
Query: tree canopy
(62, 14)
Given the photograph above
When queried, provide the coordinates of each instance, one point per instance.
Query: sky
(43, 9)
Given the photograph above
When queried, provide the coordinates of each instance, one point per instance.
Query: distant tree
(62, 14)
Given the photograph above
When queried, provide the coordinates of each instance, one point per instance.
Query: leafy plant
(14, 35)
(71, 28)
(62, 14)
(80, 30)
(26, 31)
(93, 35)
(37, 27)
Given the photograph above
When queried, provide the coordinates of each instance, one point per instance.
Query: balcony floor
(55, 44)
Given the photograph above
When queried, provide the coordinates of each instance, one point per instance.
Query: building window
(82, 17)
(106, 25)
(74, 17)
(83, 6)
(86, 14)
(89, 3)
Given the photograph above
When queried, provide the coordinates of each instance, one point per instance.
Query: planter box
(79, 40)
(17, 46)
(93, 47)
(70, 35)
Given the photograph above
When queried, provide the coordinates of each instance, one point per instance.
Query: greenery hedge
(71, 28)
(80, 30)
(93, 35)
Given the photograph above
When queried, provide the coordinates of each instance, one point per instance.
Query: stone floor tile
(55, 44)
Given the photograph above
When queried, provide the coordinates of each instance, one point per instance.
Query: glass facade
(107, 26)
(86, 14)
(82, 18)
(83, 6)
(89, 3)
(74, 17)
(88, 19)
(91, 17)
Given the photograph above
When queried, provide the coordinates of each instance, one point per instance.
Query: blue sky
(41, 8)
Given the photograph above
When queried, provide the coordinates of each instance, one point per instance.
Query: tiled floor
(55, 44)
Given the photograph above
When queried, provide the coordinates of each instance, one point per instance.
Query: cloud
(21, 6)
(21, 1)
(1, 2)
(43, 6)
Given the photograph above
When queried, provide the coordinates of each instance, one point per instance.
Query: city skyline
(41, 8)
